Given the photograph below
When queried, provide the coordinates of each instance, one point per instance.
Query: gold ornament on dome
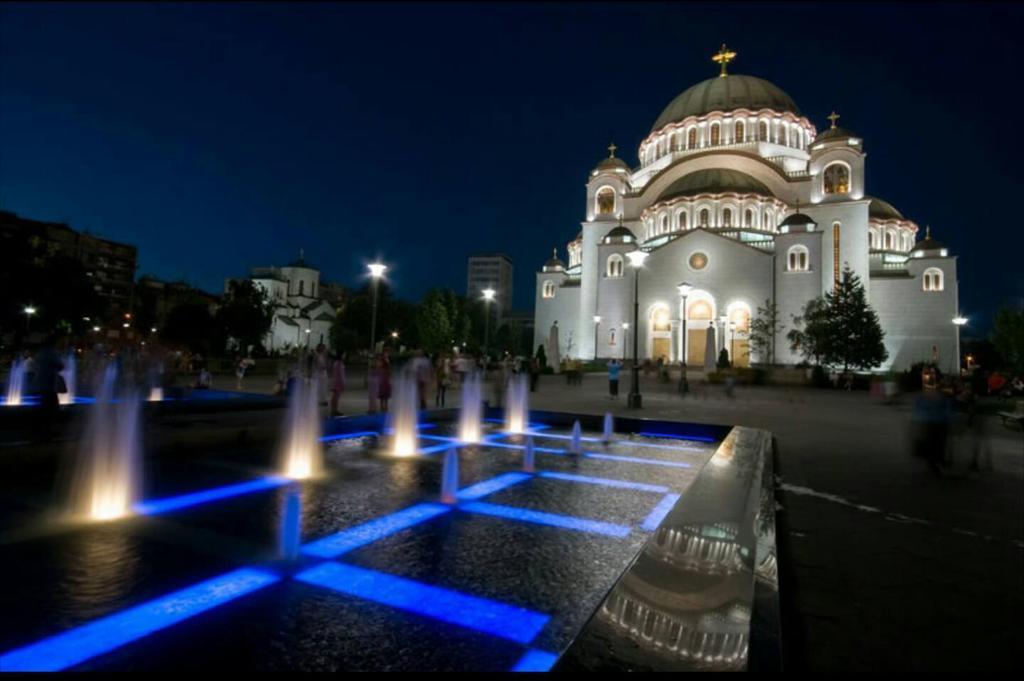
(698, 261)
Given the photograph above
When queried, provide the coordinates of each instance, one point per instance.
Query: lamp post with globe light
(597, 325)
(959, 321)
(625, 339)
(636, 260)
(684, 291)
(488, 294)
(376, 274)
(29, 311)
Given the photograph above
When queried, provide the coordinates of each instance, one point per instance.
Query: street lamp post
(625, 339)
(959, 321)
(725, 327)
(376, 272)
(732, 343)
(29, 311)
(636, 260)
(488, 294)
(597, 325)
(684, 291)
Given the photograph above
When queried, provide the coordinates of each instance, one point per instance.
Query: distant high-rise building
(491, 270)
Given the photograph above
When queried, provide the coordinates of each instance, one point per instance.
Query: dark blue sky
(217, 137)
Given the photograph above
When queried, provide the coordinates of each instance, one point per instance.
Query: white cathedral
(738, 196)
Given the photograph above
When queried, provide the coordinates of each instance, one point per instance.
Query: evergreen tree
(1008, 337)
(810, 331)
(432, 324)
(245, 313)
(854, 337)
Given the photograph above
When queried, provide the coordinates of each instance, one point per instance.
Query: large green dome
(726, 94)
(714, 181)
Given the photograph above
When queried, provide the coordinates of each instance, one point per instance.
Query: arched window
(605, 201)
(704, 217)
(302, 288)
(748, 218)
(663, 223)
(798, 259)
(740, 316)
(611, 337)
(836, 179)
(932, 279)
(716, 134)
(762, 131)
(615, 265)
(691, 139)
(699, 309)
(549, 289)
(888, 241)
(769, 220)
(681, 219)
(727, 217)
(660, 320)
(782, 134)
(740, 129)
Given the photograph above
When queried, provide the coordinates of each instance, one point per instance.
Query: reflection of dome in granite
(712, 550)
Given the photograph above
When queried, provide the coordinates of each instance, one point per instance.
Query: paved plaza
(883, 565)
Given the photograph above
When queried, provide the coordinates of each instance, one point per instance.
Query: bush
(819, 377)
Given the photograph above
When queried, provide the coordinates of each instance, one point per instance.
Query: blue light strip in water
(551, 519)
(555, 436)
(490, 617)
(348, 436)
(441, 438)
(671, 436)
(504, 445)
(636, 459)
(655, 517)
(607, 482)
(534, 660)
(419, 426)
(336, 544)
(108, 633)
(487, 487)
(655, 445)
(531, 426)
(437, 448)
(157, 506)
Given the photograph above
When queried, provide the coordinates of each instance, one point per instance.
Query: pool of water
(387, 577)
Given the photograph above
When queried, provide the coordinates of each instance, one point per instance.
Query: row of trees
(837, 329)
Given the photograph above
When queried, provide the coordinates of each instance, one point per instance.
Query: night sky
(220, 137)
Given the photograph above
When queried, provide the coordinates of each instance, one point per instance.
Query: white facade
(738, 195)
(301, 318)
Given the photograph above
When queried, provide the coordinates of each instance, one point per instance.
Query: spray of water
(15, 383)
(609, 428)
(291, 523)
(471, 411)
(70, 376)
(574, 443)
(516, 410)
(450, 476)
(402, 417)
(528, 456)
(303, 455)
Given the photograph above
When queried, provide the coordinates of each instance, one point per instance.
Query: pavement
(883, 566)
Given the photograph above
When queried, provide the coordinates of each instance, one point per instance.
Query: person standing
(384, 381)
(534, 373)
(614, 366)
(337, 382)
(442, 375)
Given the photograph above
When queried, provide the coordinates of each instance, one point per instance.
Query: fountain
(15, 383)
(574, 443)
(402, 417)
(155, 380)
(528, 455)
(70, 376)
(516, 411)
(302, 452)
(107, 483)
(609, 428)
(470, 412)
(291, 522)
(450, 476)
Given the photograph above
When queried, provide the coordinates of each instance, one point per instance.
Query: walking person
(443, 376)
(337, 382)
(384, 381)
(614, 366)
(534, 373)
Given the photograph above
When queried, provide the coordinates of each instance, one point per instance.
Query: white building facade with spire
(302, 318)
(738, 196)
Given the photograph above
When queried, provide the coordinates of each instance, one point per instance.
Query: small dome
(928, 243)
(883, 210)
(621, 233)
(834, 135)
(726, 94)
(796, 220)
(714, 181)
(554, 262)
(612, 163)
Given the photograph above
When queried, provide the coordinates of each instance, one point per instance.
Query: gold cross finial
(611, 150)
(554, 252)
(928, 232)
(724, 56)
(833, 117)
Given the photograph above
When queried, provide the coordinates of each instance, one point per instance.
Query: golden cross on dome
(611, 150)
(833, 117)
(928, 232)
(724, 56)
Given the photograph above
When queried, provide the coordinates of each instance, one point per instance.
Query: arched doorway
(660, 333)
(738, 338)
(700, 311)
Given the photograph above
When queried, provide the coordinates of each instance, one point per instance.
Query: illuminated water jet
(70, 375)
(303, 455)
(470, 411)
(15, 383)
(156, 394)
(402, 417)
(291, 523)
(107, 480)
(450, 476)
(516, 410)
(609, 428)
(528, 455)
(574, 443)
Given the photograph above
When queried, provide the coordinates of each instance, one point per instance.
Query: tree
(432, 325)
(1008, 337)
(245, 313)
(810, 331)
(191, 325)
(764, 329)
(854, 337)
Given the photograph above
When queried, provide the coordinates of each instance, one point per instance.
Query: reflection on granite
(686, 603)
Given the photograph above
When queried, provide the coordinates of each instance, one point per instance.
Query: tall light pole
(488, 298)
(958, 321)
(376, 273)
(29, 311)
(725, 327)
(625, 339)
(597, 325)
(636, 260)
(732, 343)
(684, 291)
